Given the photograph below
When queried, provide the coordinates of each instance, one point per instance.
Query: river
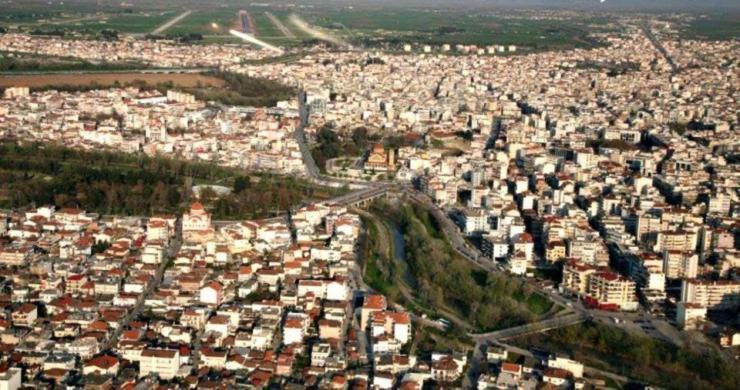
(399, 254)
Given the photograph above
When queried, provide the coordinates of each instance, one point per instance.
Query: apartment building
(680, 264)
(163, 362)
(609, 290)
(712, 294)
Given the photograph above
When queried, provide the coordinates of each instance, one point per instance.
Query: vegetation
(612, 144)
(678, 128)
(713, 27)
(329, 144)
(455, 339)
(444, 280)
(109, 182)
(244, 90)
(15, 62)
(379, 267)
(642, 358)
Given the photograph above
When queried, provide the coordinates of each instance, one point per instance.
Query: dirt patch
(109, 79)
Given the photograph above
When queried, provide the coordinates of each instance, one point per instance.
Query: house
(556, 376)
(101, 365)
(25, 315)
(212, 293)
(371, 304)
(446, 369)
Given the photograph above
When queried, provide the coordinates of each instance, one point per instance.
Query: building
(712, 294)
(572, 366)
(680, 264)
(371, 304)
(212, 293)
(575, 277)
(607, 290)
(163, 362)
(690, 315)
(10, 379)
(446, 369)
(379, 159)
(196, 224)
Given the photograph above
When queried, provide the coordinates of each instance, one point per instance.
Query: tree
(241, 183)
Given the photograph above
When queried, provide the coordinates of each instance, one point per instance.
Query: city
(273, 195)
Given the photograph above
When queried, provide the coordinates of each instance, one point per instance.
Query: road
(171, 22)
(279, 25)
(534, 327)
(151, 287)
(659, 46)
(312, 170)
(245, 22)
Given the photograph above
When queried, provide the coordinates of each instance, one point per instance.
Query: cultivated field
(109, 79)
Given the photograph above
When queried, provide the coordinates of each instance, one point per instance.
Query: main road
(279, 25)
(659, 46)
(166, 26)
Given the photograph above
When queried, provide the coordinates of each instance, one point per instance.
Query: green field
(713, 28)
(201, 21)
(450, 26)
(137, 23)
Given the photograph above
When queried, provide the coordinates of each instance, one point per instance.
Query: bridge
(362, 198)
(534, 327)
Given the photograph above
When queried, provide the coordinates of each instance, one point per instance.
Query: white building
(163, 362)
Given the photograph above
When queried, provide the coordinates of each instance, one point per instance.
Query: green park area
(639, 358)
(111, 182)
(430, 278)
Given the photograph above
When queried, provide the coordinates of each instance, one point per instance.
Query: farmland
(714, 27)
(361, 25)
(437, 26)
